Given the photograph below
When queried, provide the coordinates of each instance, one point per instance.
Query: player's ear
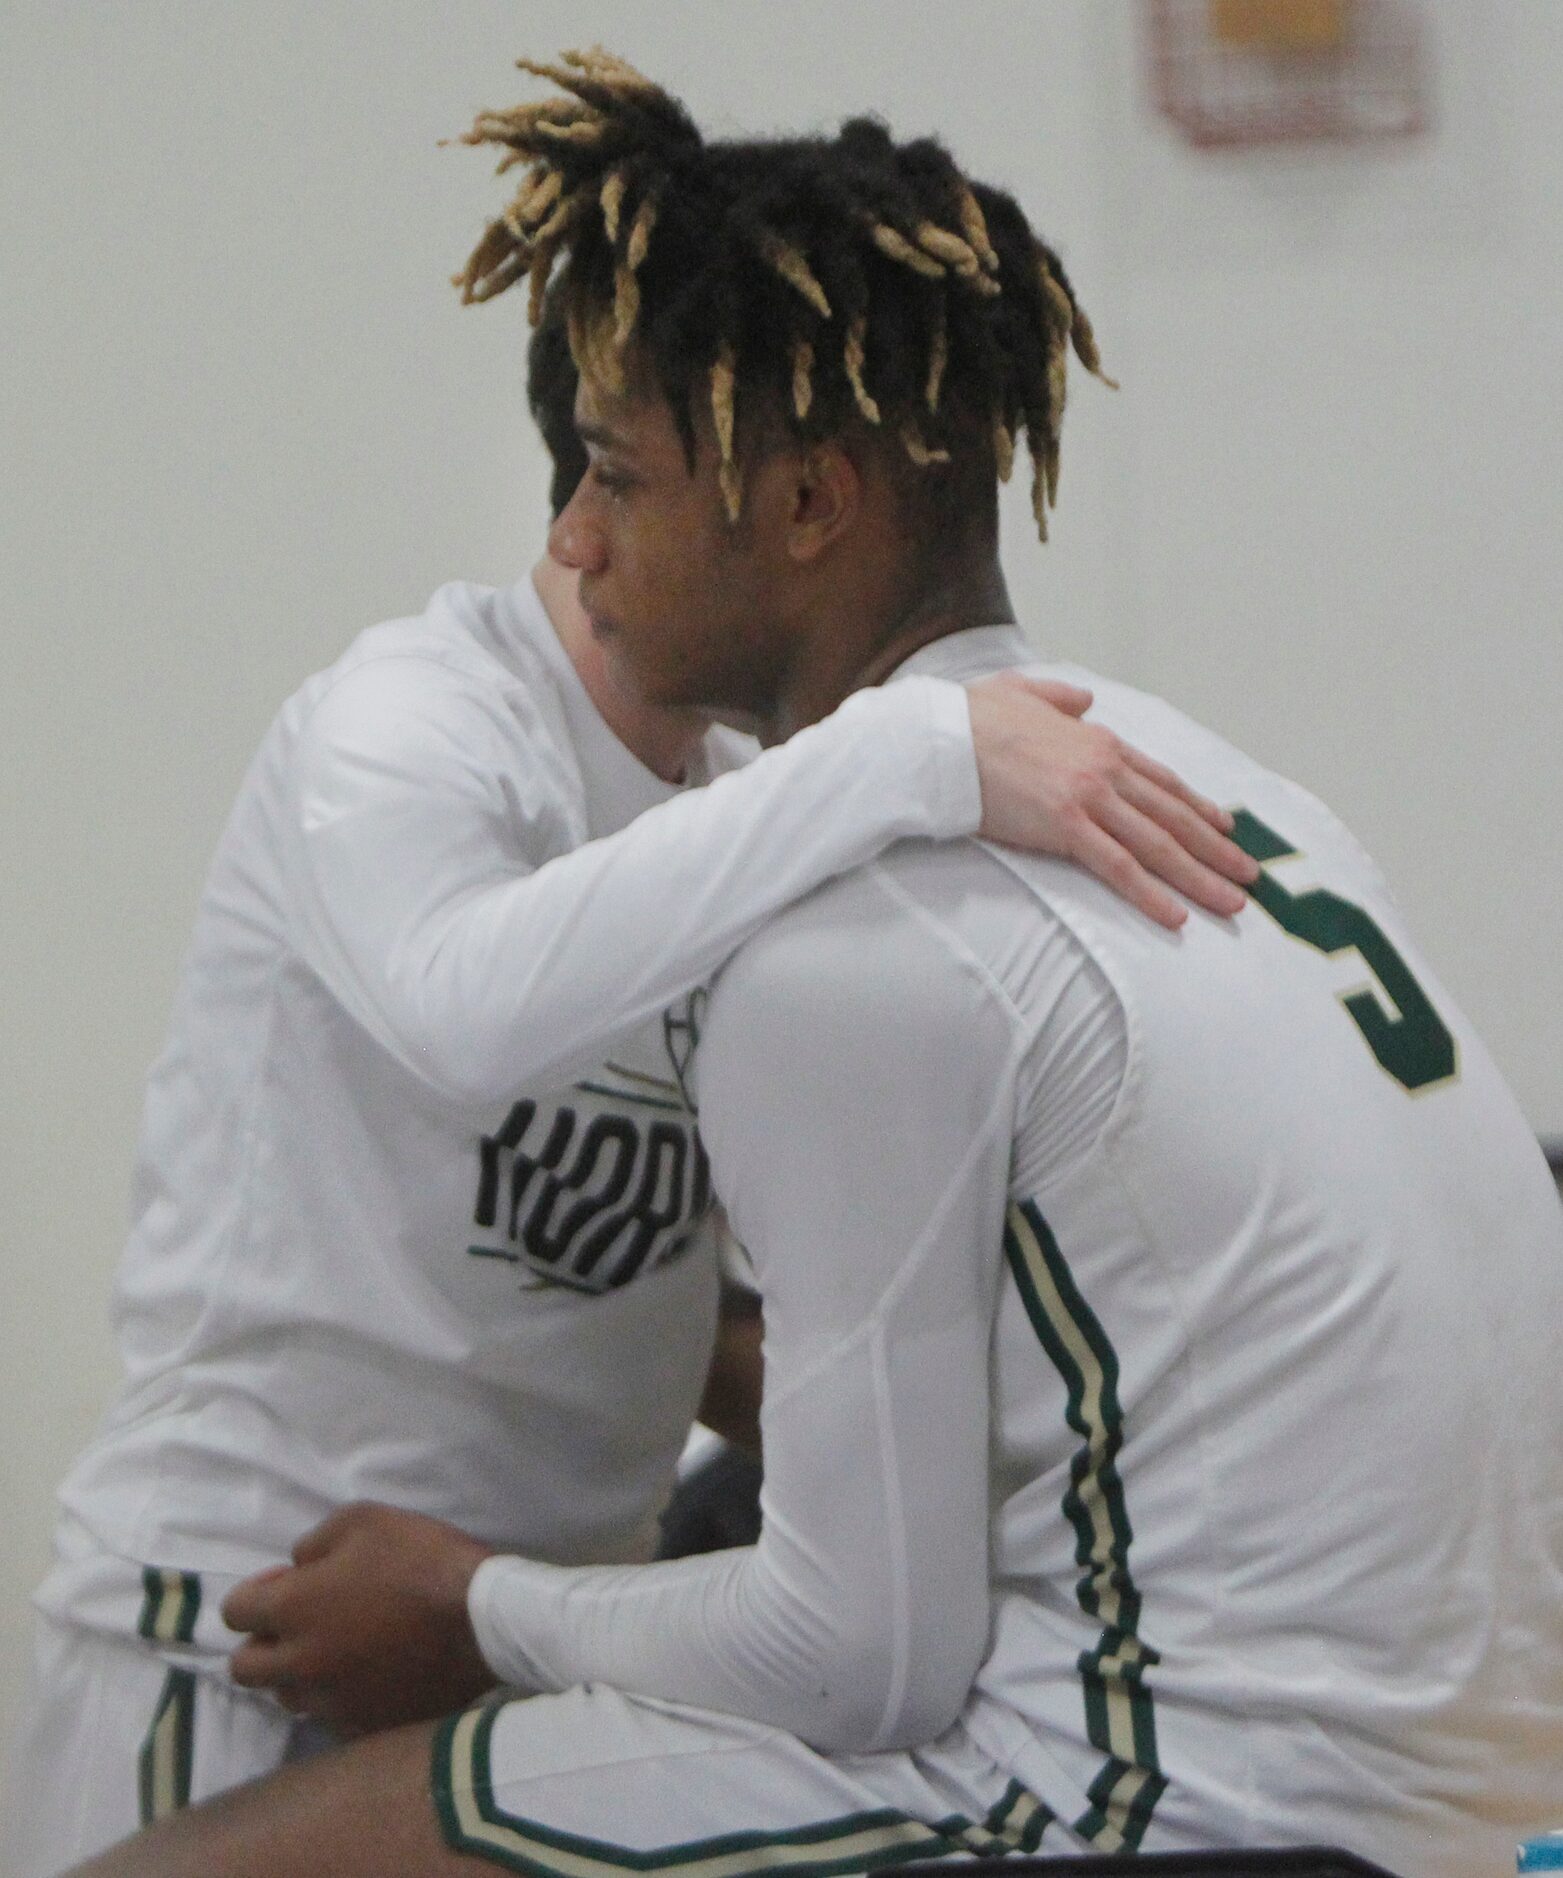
(825, 499)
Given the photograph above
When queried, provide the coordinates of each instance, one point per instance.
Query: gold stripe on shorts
(472, 1820)
(170, 1605)
(168, 1753)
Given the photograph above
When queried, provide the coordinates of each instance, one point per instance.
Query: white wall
(243, 416)
(1343, 498)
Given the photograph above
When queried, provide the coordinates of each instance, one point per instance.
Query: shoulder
(1215, 765)
(1144, 718)
(853, 1058)
(424, 663)
(426, 692)
(883, 949)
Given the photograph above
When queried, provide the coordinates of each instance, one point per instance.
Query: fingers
(1111, 862)
(1073, 700)
(1214, 854)
(285, 1670)
(252, 1604)
(264, 1663)
(1174, 785)
(1164, 856)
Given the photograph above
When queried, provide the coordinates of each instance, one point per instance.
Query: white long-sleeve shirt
(418, 1199)
(862, 1074)
(1160, 1354)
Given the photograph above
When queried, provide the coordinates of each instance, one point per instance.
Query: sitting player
(419, 1204)
(1161, 1407)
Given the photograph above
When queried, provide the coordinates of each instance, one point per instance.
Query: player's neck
(665, 740)
(876, 632)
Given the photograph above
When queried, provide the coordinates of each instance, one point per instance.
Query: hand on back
(1055, 785)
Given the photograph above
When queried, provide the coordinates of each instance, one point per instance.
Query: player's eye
(612, 480)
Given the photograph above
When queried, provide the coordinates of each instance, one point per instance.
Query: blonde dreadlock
(938, 359)
(724, 380)
(792, 267)
(802, 378)
(853, 359)
(626, 285)
(855, 280)
(892, 242)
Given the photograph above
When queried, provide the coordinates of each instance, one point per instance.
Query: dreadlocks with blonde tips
(918, 450)
(1003, 449)
(790, 264)
(802, 378)
(823, 284)
(724, 381)
(611, 197)
(976, 228)
(938, 359)
(854, 356)
(892, 242)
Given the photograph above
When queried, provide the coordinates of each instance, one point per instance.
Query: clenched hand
(367, 1628)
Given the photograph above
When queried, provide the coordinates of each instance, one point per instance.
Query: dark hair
(551, 379)
(840, 284)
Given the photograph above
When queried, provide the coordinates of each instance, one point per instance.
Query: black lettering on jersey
(590, 1205)
(517, 1122)
(523, 1167)
(610, 1137)
(658, 1204)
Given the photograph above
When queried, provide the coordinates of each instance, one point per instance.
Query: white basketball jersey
(1276, 1378)
(342, 1283)
(1161, 1374)
(419, 1199)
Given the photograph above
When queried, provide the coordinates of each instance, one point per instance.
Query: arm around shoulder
(445, 898)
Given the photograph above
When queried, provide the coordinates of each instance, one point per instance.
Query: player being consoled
(420, 1203)
(1161, 1406)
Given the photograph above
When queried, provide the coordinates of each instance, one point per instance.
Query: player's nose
(575, 541)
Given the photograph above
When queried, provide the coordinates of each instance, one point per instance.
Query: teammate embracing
(420, 1203)
(1161, 1408)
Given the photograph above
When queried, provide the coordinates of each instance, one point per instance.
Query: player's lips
(602, 627)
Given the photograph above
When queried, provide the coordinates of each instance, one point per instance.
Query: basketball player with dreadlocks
(1161, 1406)
(419, 1200)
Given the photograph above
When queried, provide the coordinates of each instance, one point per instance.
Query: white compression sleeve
(483, 973)
(857, 1087)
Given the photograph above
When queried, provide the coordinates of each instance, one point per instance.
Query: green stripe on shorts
(168, 1753)
(473, 1821)
(170, 1606)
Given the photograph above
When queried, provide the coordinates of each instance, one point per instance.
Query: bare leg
(361, 1811)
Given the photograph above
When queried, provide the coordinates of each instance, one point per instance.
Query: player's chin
(633, 674)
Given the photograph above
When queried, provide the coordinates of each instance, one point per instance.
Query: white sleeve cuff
(942, 726)
(501, 1587)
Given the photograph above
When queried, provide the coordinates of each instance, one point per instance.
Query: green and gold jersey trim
(1119, 1712)
(170, 1606)
(168, 1754)
(473, 1820)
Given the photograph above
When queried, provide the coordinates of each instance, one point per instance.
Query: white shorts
(119, 1731)
(593, 1783)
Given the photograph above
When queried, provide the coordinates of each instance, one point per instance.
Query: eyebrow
(603, 435)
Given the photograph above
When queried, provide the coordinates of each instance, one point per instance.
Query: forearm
(483, 984)
(732, 1631)
(856, 1622)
